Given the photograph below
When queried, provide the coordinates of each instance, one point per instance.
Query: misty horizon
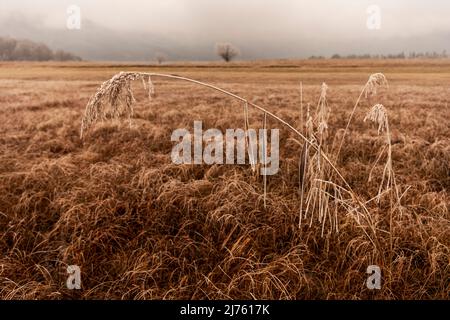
(189, 30)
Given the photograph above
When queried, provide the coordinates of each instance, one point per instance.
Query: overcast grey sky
(265, 28)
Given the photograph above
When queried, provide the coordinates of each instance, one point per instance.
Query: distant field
(431, 70)
(141, 227)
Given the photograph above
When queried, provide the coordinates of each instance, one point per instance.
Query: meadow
(142, 227)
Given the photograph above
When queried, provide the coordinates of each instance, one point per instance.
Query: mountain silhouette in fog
(96, 42)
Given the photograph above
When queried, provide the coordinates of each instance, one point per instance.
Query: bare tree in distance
(227, 51)
(160, 57)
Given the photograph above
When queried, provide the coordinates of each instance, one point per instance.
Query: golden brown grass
(141, 227)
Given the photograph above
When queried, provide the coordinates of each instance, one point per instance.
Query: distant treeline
(411, 55)
(26, 50)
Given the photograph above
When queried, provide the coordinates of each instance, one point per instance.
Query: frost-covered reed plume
(114, 98)
(314, 173)
(374, 82)
(323, 111)
(378, 114)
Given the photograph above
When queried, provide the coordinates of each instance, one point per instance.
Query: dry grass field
(141, 227)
